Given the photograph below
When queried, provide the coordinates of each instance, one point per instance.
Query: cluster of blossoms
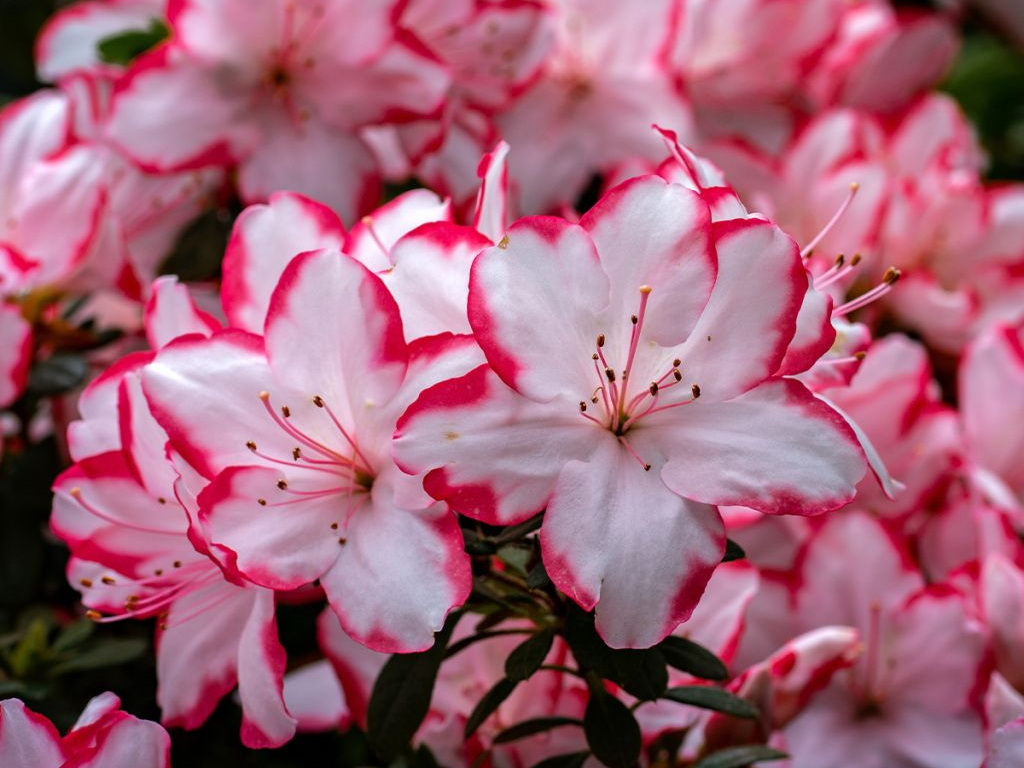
(608, 428)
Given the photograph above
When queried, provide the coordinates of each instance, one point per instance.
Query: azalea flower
(624, 354)
(280, 89)
(301, 484)
(103, 737)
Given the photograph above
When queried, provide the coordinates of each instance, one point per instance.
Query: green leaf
(107, 653)
(569, 760)
(515, 557)
(124, 47)
(708, 697)
(740, 757)
(29, 653)
(641, 672)
(538, 577)
(733, 551)
(401, 696)
(612, 732)
(533, 726)
(687, 656)
(58, 373)
(529, 655)
(424, 758)
(74, 634)
(490, 702)
(198, 253)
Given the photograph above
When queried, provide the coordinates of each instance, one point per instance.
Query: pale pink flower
(591, 109)
(282, 89)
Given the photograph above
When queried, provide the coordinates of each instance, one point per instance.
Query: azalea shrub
(512, 384)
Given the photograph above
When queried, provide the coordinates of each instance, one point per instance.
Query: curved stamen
(638, 324)
(76, 494)
(309, 442)
(889, 279)
(807, 249)
(319, 402)
(634, 454)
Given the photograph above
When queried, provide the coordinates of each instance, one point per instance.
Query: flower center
(348, 469)
(617, 408)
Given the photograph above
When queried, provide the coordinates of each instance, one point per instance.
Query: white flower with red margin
(128, 517)
(591, 109)
(495, 49)
(281, 88)
(411, 242)
(721, 67)
(103, 737)
(302, 486)
(629, 389)
(991, 389)
(915, 694)
(68, 44)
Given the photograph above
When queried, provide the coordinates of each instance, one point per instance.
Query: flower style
(302, 486)
(629, 388)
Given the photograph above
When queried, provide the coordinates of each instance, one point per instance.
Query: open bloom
(293, 437)
(103, 737)
(629, 388)
(280, 87)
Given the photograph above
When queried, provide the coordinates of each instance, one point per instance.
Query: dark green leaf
(424, 758)
(534, 726)
(74, 634)
(58, 373)
(687, 656)
(708, 697)
(490, 702)
(515, 557)
(516, 532)
(200, 247)
(124, 47)
(107, 653)
(569, 760)
(641, 672)
(740, 757)
(529, 655)
(733, 551)
(538, 577)
(401, 696)
(612, 732)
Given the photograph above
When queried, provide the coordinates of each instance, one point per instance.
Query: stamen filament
(807, 249)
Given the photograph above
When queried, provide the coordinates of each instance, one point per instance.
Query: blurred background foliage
(56, 661)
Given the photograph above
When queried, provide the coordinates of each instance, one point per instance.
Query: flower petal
(777, 449)
(616, 538)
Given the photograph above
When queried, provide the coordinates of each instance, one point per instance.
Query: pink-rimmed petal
(27, 739)
(430, 279)
(490, 453)
(266, 721)
(285, 542)
(399, 574)
(613, 531)
(264, 239)
(68, 43)
(295, 157)
(168, 114)
(197, 651)
(776, 449)
(172, 312)
(534, 304)
(124, 742)
(353, 345)
(15, 353)
(371, 239)
(750, 319)
(355, 665)
(650, 232)
(1006, 749)
(491, 212)
(315, 699)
